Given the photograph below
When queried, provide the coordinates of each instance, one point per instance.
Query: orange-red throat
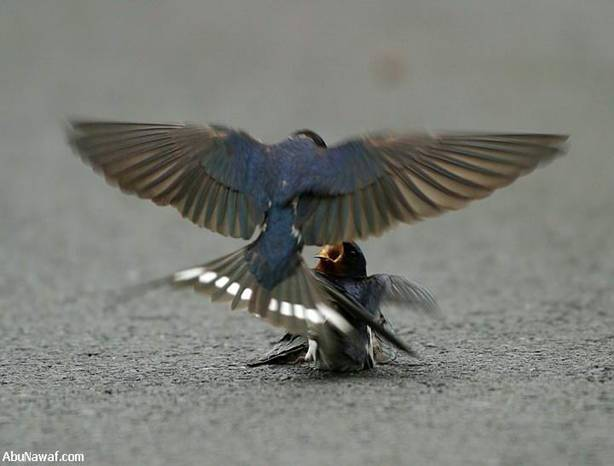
(341, 260)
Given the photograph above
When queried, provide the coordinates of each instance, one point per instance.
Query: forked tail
(300, 303)
(296, 303)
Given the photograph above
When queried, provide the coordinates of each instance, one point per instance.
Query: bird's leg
(311, 352)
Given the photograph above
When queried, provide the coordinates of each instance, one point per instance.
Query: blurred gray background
(522, 370)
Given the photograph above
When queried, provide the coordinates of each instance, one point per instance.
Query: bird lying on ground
(345, 266)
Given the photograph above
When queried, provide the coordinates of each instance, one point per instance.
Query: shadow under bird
(300, 192)
(345, 267)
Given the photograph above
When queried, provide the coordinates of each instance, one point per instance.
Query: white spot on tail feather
(220, 282)
(189, 274)
(273, 305)
(233, 289)
(299, 311)
(247, 294)
(313, 316)
(207, 277)
(335, 318)
(286, 308)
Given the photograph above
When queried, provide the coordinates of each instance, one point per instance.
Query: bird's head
(342, 260)
(307, 133)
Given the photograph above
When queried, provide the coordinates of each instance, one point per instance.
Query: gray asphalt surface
(522, 370)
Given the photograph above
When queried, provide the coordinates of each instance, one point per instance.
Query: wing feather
(374, 182)
(205, 172)
(386, 289)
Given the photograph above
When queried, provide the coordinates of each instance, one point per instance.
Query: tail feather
(290, 349)
(301, 303)
(297, 303)
(241, 298)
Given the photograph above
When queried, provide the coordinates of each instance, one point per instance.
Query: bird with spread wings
(300, 192)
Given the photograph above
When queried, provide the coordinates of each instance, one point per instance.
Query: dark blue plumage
(344, 266)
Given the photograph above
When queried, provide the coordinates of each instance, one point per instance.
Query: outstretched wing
(365, 186)
(206, 172)
(386, 289)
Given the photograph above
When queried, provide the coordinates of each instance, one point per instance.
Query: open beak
(321, 257)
